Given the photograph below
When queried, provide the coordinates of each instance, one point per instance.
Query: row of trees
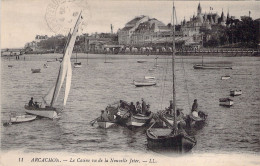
(244, 33)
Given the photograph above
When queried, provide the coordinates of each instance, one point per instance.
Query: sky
(22, 20)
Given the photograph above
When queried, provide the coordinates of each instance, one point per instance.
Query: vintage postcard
(120, 82)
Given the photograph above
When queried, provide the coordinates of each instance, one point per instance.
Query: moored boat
(235, 92)
(149, 77)
(201, 66)
(141, 61)
(144, 83)
(77, 65)
(226, 102)
(225, 77)
(36, 70)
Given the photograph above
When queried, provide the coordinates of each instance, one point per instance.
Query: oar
(93, 121)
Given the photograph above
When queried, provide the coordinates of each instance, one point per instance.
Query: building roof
(134, 21)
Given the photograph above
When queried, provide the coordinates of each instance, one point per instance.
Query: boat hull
(141, 84)
(22, 118)
(43, 113)
(177, 143)
(226, 103)
(105, 125)
(36, 70)
(138, 120)
(211, 67)
(235, 93)
(225, 77)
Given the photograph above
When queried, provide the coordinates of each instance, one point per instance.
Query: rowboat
(36, 70)
(149, 77)
(141, 61)
(201, 66)
(144, 83)
(235, 92)
(105, 124)
(10, 66)
(77, 65)
(226, 102)
(225, 77)
(138, 120)
(19, 119)
(196, 119)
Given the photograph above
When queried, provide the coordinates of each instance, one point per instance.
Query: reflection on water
(94, 86)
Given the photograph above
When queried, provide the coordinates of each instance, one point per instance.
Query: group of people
(33, 104)
(139, 108)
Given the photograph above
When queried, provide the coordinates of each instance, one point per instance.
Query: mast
(173, 75)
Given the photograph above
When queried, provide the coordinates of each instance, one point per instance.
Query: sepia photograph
(121, 82)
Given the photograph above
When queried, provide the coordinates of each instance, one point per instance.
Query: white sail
(68, 83)
(47, 98)
(65, 62)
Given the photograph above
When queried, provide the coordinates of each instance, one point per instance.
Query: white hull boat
(77, 65)
(43, 113)
(226, 102)
(225, 77)
(138, 120)
(22, 118)
(149, 77)
(235, 92)
(105, 125)
(140, 84)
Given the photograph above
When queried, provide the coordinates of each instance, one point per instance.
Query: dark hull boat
(201, 66)
(161, 138)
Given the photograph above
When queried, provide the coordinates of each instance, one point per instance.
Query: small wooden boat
(10, 66)
(226, 102)
(200, 66)
(77, 65)
(105, 124)
(149, 77)
(141, 61)
(19, 119)
(167, 139)
(138, 120)
(225, 77)
(36, 70)
(196, 119)
(235, 92)
(144, 83)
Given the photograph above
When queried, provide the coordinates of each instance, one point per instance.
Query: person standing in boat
(144, 107)
(31, 104)
(194, 106)
(169, 110)
(138, 107)
(132, 108)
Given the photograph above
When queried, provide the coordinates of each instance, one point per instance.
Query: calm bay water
(97, 84)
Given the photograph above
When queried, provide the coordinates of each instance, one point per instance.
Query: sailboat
(48, 110)
(173, 137)
(77, 64)
(210, 66)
